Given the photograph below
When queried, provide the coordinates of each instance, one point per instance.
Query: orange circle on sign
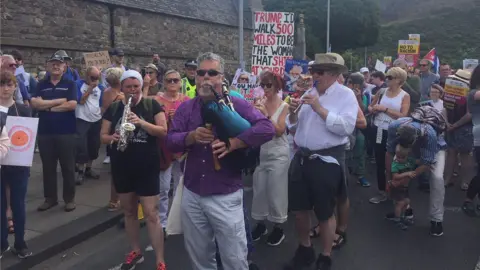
(19, 138)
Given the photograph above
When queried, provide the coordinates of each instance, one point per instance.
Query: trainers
(401, 224)
(436, 228)
(469, 209)
(304, 257)
(132, 260)
(276, 237)
(259, 231)
(161, 266)
(363, 182)
(3, 251)
(80, 179)
(46, 205)
(381, 197)
(390, 216)
(69, 207)
(106, 160)
(408, 219)
(89, 173)
(22, 253)
(323, 262)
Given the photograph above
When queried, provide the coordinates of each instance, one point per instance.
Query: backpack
(166, 157)
(428, 115)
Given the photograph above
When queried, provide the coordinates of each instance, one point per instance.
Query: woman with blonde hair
(387, 105)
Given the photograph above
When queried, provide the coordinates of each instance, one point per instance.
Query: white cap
(311, 63)
(131, 74)
(364, 69)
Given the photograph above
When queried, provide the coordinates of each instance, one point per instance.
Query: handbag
(174, 221)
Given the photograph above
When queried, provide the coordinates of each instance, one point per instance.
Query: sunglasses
(317, 71)
(92, 78)
(210, 72)
(173, 80)
(243, 79)
(390, 77)
(266, 85)
(423, 65)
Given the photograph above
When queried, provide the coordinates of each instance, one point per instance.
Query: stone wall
(39, 28)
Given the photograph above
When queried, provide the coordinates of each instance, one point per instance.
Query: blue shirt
(429, 145)
(56, 123)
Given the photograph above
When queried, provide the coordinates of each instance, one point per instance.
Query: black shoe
(304, 258)
(80, 179)
(323, 262)
(259, 231)
(436, 228)
(253, 266)
(22, 253)
(276, 237)
(89, 173)
(390, 216)
(469, 209)
(408, 219)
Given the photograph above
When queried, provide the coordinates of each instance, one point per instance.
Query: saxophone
(126, 128)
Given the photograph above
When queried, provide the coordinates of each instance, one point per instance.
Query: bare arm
(374, 102)
(477, 95)
(65, 107)
(464, 120)
(87, 93)
(361, 120)
(281, 126)
(43, 105)
(105, 137)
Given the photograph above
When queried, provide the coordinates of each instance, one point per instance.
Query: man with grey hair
(212, 201)
(21, 93)
(427, 78)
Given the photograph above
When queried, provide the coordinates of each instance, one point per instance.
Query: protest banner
(380, 66)
(293, 69)
(273, 41)
(248, 91)
(252, 79)
(470, 64)
(387, 60)
(414, 37)
(97, 59)
(409, 50)
(455, 93)
(22, 132)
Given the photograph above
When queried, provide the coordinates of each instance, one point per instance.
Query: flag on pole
(432, 57)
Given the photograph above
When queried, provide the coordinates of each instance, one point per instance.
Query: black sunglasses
(172, 80)
(243, 79)
(266, 85)
(390, 77)
(210, 72)
(317, 71)
(92, 78)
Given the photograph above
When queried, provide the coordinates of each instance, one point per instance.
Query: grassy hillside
(455, 33)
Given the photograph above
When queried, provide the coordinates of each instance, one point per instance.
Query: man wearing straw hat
(322, 119)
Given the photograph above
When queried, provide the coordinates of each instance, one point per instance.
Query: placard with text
(273, 41)
(409, 50)
(97, 59)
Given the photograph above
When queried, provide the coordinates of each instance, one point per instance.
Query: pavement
(50, 232)
(373, 243)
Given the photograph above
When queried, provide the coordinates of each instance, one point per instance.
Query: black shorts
(314, 184)
(88, 140)
(140, 177)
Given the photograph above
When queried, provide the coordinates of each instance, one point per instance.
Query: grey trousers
(54, 149)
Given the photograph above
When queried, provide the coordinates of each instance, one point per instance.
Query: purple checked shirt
(200, 175)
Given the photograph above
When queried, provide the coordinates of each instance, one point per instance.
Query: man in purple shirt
(212, 203)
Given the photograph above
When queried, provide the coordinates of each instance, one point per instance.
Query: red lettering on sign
(264, 39)
(285, 29)
(269, 17)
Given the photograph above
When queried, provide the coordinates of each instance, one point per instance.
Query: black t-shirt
(141, 144)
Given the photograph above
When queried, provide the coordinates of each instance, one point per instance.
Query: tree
(353, 24)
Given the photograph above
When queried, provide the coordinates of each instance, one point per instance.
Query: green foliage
(354, 23)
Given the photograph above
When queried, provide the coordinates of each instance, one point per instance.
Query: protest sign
(248, 91)
(22, 132)
(414, 37)
(97, 59)
(273, 41)
(252, 79)
(470, 64)
(387, 60)
(409, 50)
(455, 93)
(293, 69)
(379, 66)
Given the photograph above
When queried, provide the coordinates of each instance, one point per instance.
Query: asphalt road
(373, 243)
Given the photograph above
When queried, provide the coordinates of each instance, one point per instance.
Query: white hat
(330, 61)
(131, 74)
(364, 69)
(311, 63)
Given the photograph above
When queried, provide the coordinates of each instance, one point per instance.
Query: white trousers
(270, 186)
(437, 188)
(165, 179)
(210, 218)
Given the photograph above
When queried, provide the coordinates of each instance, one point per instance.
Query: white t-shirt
(91, 110)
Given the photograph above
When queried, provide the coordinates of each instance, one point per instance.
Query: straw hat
(462, 75)
(329, 61)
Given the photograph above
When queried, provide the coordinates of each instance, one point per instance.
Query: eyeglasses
(149, 72)
(92, 78)
(210, 72)
(390, 77)
(173, 80)
(266, 85)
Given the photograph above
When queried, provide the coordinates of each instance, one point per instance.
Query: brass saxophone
(126, 128)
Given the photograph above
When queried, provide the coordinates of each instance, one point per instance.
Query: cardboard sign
(273, 41)
(455, 94)
(408, 47)
(248, 91)
(470, 64)
(22, 132)
(252, 79)
(379, 66)
(97, 59)
(387, 60)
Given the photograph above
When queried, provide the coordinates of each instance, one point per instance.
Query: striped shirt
(429, 146)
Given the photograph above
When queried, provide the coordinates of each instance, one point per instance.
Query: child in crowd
(403, 170)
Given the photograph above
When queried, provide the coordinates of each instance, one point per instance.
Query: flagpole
(328, 26)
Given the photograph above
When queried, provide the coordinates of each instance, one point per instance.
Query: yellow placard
(414, 37)
(456, 88)
(408, 47)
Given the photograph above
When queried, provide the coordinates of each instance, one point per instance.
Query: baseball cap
(117, 51)
(191, 63)
(131, 74)
(56, 57)
(152, 66)
(364, 69)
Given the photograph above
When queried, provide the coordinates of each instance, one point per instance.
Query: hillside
(451, 27)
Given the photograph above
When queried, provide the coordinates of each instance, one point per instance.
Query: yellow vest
(188, 89)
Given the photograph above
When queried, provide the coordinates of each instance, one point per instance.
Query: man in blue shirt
(56, 100)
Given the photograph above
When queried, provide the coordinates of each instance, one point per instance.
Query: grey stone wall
(39, 28)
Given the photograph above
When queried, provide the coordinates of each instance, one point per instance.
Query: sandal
(11, 229)
(340, 241)
(113, 206)
(314, 232)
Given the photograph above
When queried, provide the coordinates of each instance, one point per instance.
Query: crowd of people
(301, 148)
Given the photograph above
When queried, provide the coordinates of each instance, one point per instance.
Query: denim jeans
(17, 179)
